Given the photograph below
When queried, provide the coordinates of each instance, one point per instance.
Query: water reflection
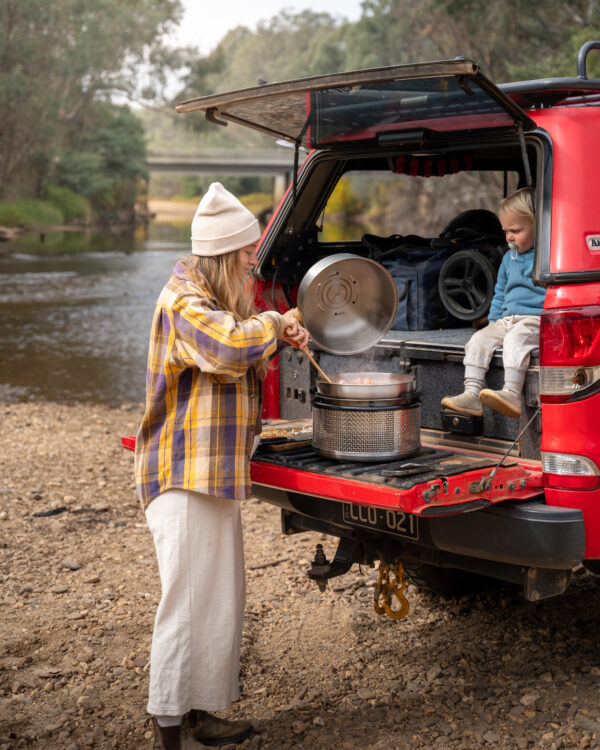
(75, 313)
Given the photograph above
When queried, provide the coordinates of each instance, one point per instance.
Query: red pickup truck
(516, 500)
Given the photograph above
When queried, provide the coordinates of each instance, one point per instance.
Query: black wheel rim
(466, 286)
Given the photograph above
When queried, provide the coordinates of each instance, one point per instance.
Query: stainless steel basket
(366, 432)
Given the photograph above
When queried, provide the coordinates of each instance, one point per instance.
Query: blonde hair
(518, 204)
(222, 277)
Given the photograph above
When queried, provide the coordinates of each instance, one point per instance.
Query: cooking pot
(347, 303)
(370, 430)
(367, 385)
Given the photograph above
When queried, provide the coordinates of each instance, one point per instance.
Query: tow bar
(348, 552)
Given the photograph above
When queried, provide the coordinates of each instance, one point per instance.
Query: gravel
(319, 670)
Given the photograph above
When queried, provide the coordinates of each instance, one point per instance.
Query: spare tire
(466, 284)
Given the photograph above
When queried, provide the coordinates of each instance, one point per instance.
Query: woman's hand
(294, 334)
(298, 340)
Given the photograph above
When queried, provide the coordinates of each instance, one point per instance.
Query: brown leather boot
(166, 738)
(211, 730)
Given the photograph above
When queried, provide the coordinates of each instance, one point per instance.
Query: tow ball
(321, 570)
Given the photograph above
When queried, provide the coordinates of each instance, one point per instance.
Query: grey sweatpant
(517, 334)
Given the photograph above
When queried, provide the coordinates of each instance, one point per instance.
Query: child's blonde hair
(519, 204)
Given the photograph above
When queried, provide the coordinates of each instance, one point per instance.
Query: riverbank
(177, 211)
(131, 219)
(80, 588)
(158, 210)
(171, 211)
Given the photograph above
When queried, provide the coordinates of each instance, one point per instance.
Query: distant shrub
(190, 187)
(73, 206)
(257, 202)
(30, 213)
(344, 201)
(9, 215)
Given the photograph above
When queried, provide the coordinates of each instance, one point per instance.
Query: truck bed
(436, 481)
(435, 358)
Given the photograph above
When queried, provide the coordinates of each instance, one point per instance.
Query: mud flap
(541, 583)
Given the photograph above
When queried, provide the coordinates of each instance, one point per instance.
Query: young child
(514, 319)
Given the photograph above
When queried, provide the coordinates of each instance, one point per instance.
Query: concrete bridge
(276, 163)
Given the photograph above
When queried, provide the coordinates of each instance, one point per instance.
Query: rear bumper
(524, 533)
(517, 532)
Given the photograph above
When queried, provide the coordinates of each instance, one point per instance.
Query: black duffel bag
(415, 266)
(467, 278)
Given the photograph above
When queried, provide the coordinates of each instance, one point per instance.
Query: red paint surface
(411, 500)
(573, 428)
(575, 168)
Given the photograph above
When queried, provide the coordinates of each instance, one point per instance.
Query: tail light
(569, 351)
(569, 471)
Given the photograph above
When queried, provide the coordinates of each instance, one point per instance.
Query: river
(76, 309)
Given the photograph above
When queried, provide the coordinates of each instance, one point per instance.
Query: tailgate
(434, 482)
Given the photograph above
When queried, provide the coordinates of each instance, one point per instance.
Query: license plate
(379, 519)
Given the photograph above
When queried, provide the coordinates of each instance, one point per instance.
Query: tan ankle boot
(211, 730)
(166, 738)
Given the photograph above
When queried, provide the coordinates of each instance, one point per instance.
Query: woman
(208, 350)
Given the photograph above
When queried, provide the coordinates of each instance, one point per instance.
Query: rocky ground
(321, 671)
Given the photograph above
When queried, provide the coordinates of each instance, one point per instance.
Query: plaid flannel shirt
(202, 394)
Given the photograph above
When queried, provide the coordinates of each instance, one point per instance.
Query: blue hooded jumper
(514, 293)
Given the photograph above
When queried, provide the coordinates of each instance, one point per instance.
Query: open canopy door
(331, 110)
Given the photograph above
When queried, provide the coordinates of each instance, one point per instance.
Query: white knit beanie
(222, 224)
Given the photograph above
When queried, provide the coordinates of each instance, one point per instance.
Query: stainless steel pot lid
(347, 303)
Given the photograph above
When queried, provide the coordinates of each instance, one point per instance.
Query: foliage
(72, 206)
(193, 186)
(344, 202)
(30, 212)
(58, 58)
(258, 203)
(104, 162)
(65, 63)
(287, 46)
(508, 40)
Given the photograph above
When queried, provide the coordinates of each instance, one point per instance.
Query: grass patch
(257, 202)
(73, 206)
(29, 212)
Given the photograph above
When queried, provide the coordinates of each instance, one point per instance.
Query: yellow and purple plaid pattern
(202, 394)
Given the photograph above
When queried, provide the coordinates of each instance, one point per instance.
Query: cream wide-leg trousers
(195, 656)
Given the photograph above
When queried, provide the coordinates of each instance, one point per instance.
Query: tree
(105, 161)
(287, 46)
(510, 39)
(58, 58)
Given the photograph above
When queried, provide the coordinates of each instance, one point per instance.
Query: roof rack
(548, 92)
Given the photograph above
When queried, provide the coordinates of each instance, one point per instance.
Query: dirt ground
(320, 671)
